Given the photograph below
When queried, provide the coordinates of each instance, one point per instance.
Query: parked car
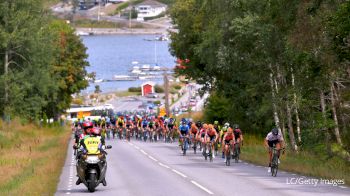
(152, 95)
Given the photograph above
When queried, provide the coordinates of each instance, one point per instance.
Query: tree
(68, 67)
(25, 78)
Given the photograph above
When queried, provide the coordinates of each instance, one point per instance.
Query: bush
(158, 89)
(177, 87)
(134, 89)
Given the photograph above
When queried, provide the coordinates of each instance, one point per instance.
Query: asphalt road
(138, 168)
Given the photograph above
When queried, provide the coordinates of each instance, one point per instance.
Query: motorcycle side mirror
(108, 146)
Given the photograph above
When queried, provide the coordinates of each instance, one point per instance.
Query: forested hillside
(272, 63)
(42, 61)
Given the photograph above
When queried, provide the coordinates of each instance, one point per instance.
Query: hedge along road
(138, 168)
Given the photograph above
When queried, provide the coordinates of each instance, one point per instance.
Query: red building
(147, 88)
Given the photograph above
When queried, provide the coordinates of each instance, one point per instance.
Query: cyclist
(222, 133)
(228, 139)
(129, 125)
(212, 136)
(170, 127)
(151, 126)
(113, 125)
(202, 133)
(183, 131)
(120, 124)
(217, 128)
(144, 127)
(193, 134)
(274, 138)
(238, 136)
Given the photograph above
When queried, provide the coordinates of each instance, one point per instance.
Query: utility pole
(99, 9)
(166, 90)
(130, 18)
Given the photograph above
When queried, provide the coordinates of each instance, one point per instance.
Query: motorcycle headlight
(92, 159)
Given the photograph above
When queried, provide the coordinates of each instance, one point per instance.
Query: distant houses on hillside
(149, 8)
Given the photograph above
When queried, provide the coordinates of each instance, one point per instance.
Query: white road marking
(161, 164)
(145, 153)
(343, 187)
(293, 174)
(152, 158)
(68, 193)
(202, 187)
(137, 147)
(131, 144)
(179, 173)
(259, 166)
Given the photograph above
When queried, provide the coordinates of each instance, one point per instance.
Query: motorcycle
(91, 169)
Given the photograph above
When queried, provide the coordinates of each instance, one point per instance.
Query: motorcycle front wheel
(92, 183)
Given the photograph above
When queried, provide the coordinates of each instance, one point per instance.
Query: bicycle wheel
(274, 166)
(195, 147)
(210, 154)
(228, 158)
(184, 147)
(236, 153)
(205, 152)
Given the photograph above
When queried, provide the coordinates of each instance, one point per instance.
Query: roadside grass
(31, 158)
(304, 162)
(126, 93)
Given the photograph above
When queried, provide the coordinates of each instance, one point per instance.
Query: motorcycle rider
(92, 143)
(80, 134)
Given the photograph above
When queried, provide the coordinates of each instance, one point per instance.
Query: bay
(111, 55)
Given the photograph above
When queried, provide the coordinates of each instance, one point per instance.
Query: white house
(149, 8)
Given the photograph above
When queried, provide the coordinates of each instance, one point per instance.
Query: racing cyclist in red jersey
(212, 136)
(228, 139)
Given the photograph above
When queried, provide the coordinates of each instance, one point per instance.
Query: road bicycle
(236, 152)
(228, 155)
(184, 140)
(274, 162)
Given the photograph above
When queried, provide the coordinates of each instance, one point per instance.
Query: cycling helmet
(199, 124)
(87, 124)
(95, 131)
(227, 124)
(216, 122)
(274, 131)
